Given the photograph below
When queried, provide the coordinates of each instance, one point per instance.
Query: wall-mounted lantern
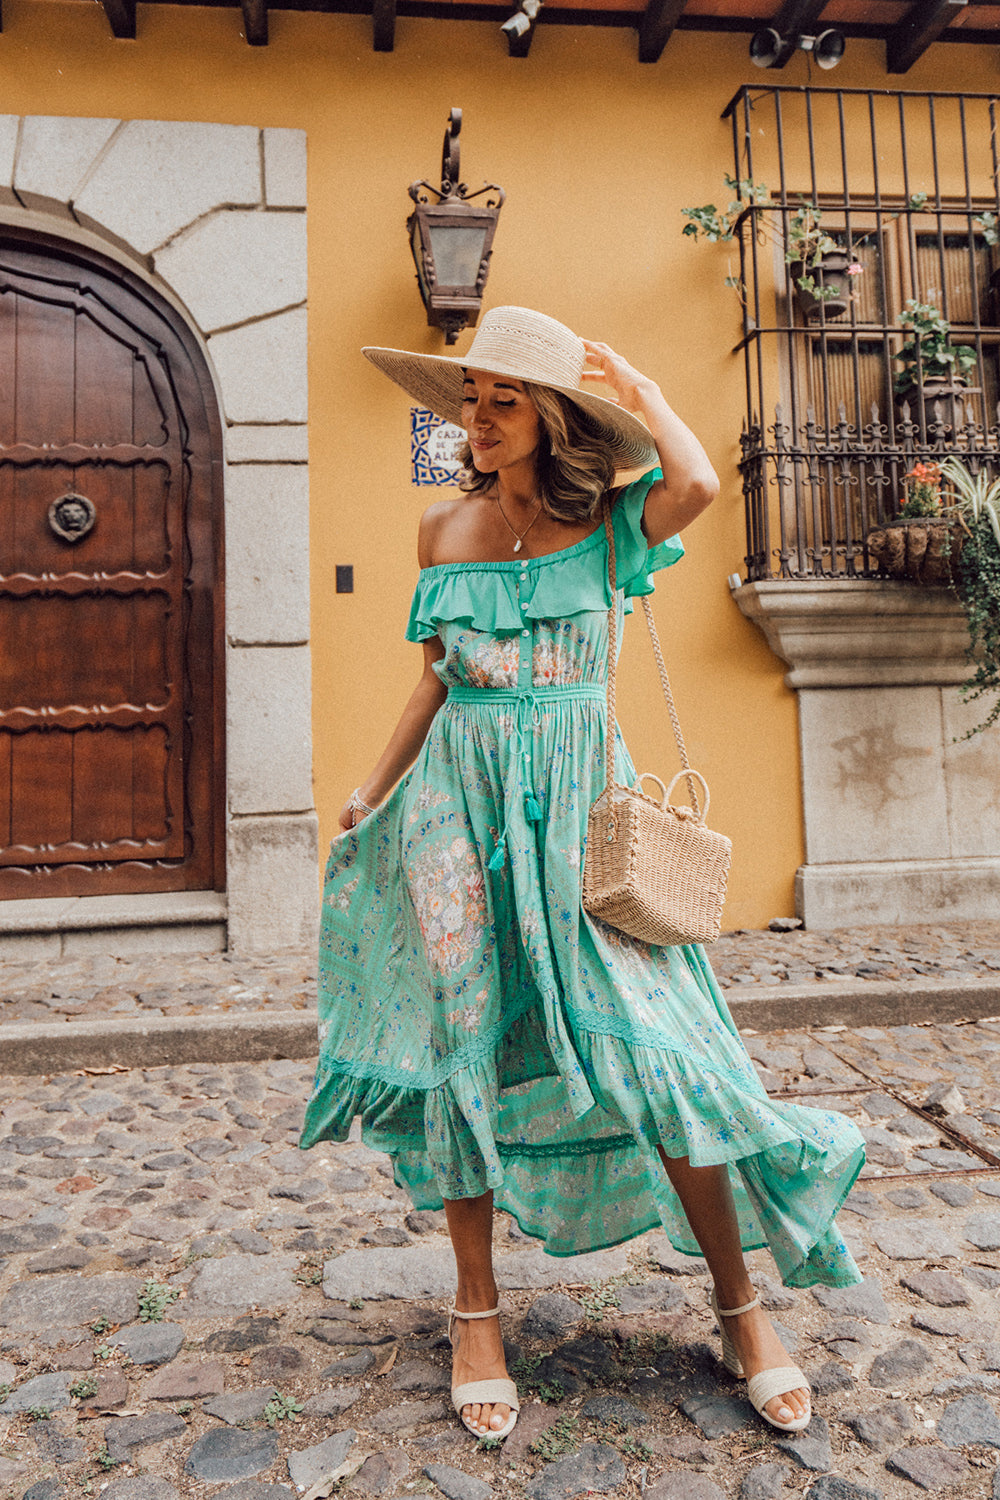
(452, 240)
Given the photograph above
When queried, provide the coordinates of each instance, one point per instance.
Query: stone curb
(158, 1041)
(786, 1007)
(164, 1041)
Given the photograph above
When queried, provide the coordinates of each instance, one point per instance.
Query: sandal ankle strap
(734, 1312)
(469, 1317)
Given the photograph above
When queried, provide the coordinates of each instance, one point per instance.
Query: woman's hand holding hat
(624, 383)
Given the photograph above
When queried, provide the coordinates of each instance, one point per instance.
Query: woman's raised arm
(689, 482)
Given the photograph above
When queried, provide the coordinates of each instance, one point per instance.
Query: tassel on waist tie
(527, 703)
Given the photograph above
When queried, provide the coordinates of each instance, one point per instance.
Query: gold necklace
(518, 536)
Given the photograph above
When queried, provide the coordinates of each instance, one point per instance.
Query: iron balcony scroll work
(72, 517)
(452, 240)
(824, 487)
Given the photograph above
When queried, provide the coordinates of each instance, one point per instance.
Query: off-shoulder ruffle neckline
(520, 562)
(499, 597)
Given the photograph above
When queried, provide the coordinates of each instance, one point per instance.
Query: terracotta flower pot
(831, 276)
(923, 550)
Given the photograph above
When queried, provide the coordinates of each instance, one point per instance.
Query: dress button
(525, 632)
(524, 577)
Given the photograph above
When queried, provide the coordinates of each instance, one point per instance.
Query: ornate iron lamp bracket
(453, 301)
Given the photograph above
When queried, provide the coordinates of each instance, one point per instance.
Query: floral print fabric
(488, 1032)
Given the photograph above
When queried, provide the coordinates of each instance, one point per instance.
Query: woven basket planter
(924, 550)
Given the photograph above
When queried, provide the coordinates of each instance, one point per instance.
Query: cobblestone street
(190, 1306)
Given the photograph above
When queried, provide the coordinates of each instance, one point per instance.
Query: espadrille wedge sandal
(768, 1384)
(483, 1392)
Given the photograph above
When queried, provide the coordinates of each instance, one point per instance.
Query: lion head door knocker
(72, 516)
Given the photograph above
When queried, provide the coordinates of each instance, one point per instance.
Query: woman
(502, 1046)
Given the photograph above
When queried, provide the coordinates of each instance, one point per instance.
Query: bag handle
(687, 772)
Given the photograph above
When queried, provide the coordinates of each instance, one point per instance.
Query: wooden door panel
(131, 531)
(104, 777)
(111, 687)
(89, 792)
(41, 792)
(43, 367)
(119, 662)
(151, 802)
(102, 397)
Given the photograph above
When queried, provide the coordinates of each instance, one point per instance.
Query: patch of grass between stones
(154, 1299)
(522, 1372)
(558, 1439)
(601, 1296)
(280, 1409)
(310, 1272)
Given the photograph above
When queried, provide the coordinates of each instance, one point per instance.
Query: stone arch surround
(213, 216)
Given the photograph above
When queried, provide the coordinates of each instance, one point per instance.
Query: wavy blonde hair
(575, 468)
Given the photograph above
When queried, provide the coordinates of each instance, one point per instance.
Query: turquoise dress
(489, 1033)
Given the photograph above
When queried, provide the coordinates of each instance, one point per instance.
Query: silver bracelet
(357, 806)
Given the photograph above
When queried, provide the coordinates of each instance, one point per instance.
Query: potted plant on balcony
(820, 269)
(929, 361)
(948, 531)
(923, 543)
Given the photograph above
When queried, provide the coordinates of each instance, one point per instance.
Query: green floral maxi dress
(489, 1033)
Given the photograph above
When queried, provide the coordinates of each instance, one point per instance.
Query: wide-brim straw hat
(524, 345)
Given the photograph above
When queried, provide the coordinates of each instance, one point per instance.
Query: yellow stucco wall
(597, 154)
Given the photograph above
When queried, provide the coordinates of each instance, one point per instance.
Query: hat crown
(527, 345)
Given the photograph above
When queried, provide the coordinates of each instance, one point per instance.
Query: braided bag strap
(660, 665)
(647, 610)
(609, 769)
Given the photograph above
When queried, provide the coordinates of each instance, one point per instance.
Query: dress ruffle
(487, 596)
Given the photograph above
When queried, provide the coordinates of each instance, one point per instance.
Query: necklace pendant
(517, 545)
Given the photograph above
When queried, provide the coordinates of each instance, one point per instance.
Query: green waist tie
(527, 704)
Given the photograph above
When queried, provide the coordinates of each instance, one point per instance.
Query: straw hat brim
(436, 381)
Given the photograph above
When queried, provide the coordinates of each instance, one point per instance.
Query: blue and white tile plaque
(434, 446)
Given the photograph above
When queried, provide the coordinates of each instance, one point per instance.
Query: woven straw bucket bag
(652, 870)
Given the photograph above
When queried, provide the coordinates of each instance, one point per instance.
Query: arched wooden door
(111, 607)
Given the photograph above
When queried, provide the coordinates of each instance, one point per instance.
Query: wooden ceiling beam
(255, 21)
(923, 24)
(655, 28)
(383, 25)
(121, 15)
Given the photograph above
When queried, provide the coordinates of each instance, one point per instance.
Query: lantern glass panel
(416, 246)
(457, 251)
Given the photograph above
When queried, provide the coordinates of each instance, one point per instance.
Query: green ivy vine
(977, 585)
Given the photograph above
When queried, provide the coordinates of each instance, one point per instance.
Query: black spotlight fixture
(769, 49)
(519, 29)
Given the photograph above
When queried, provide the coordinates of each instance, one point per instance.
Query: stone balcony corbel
(901, 811)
